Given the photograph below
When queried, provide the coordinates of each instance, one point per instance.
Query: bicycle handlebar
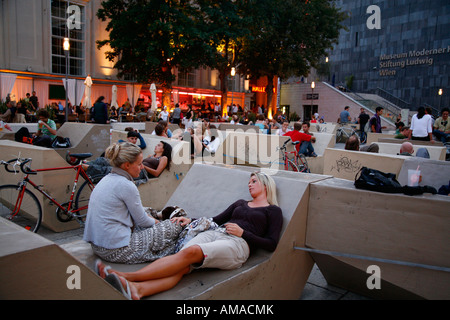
(22, 163)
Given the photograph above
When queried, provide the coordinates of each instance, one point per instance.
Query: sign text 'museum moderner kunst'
(389, 62)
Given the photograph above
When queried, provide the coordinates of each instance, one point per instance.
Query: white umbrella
(153, 91)
(87, 92)
(133, 91)
(114, 97)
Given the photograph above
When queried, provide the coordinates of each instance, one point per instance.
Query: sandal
(97, 270)
(114, 280)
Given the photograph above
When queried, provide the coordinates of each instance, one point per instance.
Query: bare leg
(165, 267)
(151, 287)
(198, 146)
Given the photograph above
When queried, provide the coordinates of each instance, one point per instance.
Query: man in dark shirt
(375, 121)
(363, 119)
(34, 101)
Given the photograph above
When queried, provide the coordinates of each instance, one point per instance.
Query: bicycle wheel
(302, 163)
(82, 198)
(29, 215)
(291, 166)
(362, 137)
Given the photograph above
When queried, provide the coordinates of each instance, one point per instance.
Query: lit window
(59, 17)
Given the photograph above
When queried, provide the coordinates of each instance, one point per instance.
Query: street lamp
(313, 85)
(440, 92)
(233, 73)
(66, 46)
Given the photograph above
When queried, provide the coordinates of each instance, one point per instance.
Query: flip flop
(97, 270)
(114, 280)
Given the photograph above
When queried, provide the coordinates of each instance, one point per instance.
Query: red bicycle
(20, 205)
(290, 160)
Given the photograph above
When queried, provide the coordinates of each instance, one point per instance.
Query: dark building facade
(401, 50)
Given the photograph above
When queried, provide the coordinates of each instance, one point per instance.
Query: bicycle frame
(79, 170)
(286, 158)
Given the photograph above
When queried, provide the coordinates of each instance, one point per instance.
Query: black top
(262, 225)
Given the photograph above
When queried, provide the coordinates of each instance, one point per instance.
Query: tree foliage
(289, 37)
(148, 38)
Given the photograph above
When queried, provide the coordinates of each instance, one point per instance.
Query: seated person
(133, 136)
(353, 144)
(155, 165)
(8, 115)
(441, 127)
(423, 153)
(305, 146)
(284, 128)
(163, 130)
(211, 141)
(160, 131)
(117, 225)
(403, 133)
(261, 123)
(46, 130)
(406, 149)
(246, 225)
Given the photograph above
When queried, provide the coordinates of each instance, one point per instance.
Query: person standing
(176, 115)
(34, 101)
(375, 121)
(344, 117)
(363, 118)
(421, 126)
(164, 115)
(100, 111)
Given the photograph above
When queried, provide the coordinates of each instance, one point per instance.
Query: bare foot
(102, 269)
(133, 289)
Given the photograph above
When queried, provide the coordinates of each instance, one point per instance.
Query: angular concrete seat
(206, 191)
(34, 268)
(408, 235)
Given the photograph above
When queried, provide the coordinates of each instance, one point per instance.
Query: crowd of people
(120, 229)
(423, 125)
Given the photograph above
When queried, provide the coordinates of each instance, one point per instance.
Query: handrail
(393, 99)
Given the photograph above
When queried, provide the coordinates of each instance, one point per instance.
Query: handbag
(61, 142)
(375, 180)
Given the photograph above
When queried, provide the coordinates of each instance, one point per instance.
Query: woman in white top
(117, 225)
(164, 115)
(421, 126)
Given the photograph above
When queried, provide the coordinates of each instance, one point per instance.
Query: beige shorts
(220, 250)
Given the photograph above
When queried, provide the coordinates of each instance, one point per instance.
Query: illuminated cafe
(33, 59)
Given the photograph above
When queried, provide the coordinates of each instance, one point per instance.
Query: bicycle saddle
(80, 156)
(295, 143)
(75, 158)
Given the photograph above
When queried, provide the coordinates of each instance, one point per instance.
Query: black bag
(375, 180)
(60, 142)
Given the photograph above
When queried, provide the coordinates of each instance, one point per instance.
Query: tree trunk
(224, 90)
(166, 97)
(269, 90)
(167, 87)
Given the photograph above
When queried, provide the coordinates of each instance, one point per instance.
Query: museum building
(399, 50)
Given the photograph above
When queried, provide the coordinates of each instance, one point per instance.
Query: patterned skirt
(146, 245)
